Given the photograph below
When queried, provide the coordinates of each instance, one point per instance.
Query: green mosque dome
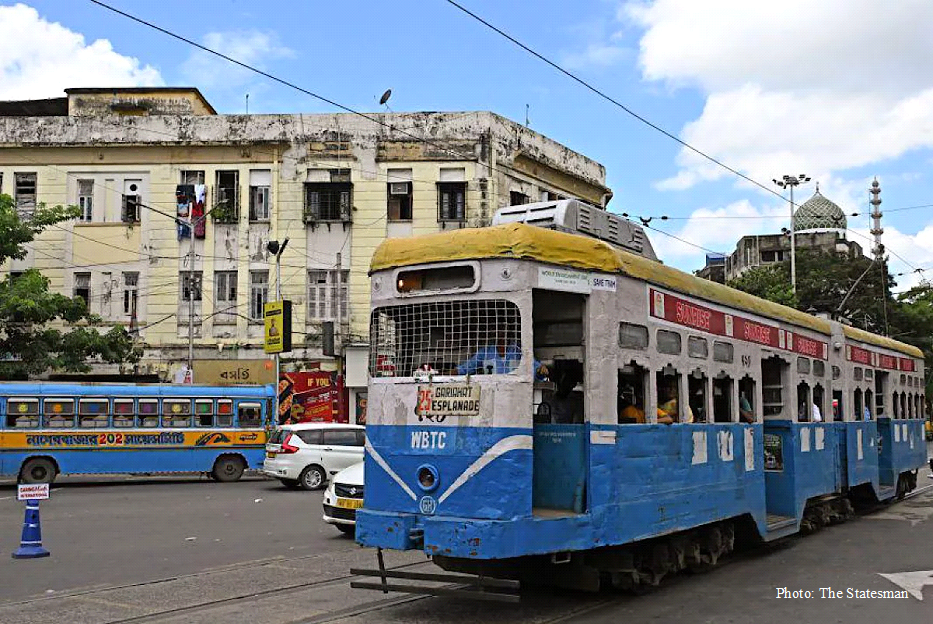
(819, 213)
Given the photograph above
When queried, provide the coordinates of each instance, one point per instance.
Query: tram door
(560, 460)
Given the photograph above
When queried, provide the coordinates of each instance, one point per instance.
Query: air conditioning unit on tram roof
(577, 217)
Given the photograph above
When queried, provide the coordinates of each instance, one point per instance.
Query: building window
(86, 200)
(329, 201)
(227, 209)
(25, 194)
(517, 198)
(451, 201)
(130, 292)
(192, 177)
(399, 203)
(225, 296)
(132, 200)
(82, 288)
(190, 295)
(328, 295)
(260, 182)
(258, 294)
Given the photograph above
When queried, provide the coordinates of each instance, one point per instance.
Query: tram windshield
(459, 337)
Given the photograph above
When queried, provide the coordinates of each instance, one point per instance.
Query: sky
(839, 90)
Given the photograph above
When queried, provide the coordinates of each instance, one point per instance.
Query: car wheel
(311, 478)
(227, 468)
(38, 470)
(291, 484)
(346, 529)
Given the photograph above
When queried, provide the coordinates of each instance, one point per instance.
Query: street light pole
(277, 249)
(790, 182)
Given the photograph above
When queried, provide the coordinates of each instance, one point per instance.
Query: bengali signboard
(687, 313)
(234, 372)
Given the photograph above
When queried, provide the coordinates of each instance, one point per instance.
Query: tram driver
(499, 356)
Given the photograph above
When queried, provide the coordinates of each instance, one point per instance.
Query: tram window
(148, 412)
(632, 336)
(123, 412)
(59, 413)
(857, 402)
(697, 389)
(722, 398)
(668, 342)
(903, 378)
(819, 400)
(249, 414)
(869, 406)
(805, 411)
(903, 405)
(819, 368)
(203, 413)
(894, 406)
(436, 280)
(93, 413)
(917, 404)
(224, 413)
(747, 399)
(910, 406)
(631, 398)
(837, 373)
(772, 386)
(837, 405)
(857, 374)
(22, 413)
(176, 412)
(869, 374)
(667, 382)
(723, 351)
(697, 347)
(803, 365)
(880, 383)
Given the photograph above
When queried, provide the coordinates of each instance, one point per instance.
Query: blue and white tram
(544, 397)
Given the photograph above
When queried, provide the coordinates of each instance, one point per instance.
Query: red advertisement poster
(309, 396)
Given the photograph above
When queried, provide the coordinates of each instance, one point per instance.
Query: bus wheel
(227, 468)
(38, 470)
(311, 478)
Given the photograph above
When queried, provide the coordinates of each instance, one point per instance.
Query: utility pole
(790, 182)
(275, 248)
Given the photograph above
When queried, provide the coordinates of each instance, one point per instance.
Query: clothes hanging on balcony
(184, 197)
(197, 211)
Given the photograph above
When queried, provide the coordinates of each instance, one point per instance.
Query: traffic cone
(30, 546)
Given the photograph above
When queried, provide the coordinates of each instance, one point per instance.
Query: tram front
(449, 423)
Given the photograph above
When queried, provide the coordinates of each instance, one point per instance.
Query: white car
(343, 497)
(306, 455)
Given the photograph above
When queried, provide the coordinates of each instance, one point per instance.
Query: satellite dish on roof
(385, 96)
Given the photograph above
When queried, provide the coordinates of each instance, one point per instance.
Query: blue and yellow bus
(48, 429)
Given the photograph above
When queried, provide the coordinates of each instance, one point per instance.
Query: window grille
(327, 201)
(25, 189)
(258, 294)
(452, 337)
(82, 287)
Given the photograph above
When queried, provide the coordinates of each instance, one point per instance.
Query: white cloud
(39, 59)
(597, 55)
(251, 47)
(830, 85)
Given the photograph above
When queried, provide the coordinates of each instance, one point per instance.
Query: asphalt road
(122, 552)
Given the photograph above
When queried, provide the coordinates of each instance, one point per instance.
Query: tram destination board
(437, 402)
(235, 372)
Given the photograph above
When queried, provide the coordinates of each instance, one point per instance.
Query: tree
(32, 337)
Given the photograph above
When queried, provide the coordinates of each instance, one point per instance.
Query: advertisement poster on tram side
(774, 452)
(309, 396)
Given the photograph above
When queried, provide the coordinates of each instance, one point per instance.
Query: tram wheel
(38, 470)
(227, 468)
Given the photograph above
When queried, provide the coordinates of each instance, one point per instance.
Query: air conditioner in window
(398, 188)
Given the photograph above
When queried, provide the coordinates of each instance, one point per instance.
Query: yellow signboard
(234, 372)
(278, 325)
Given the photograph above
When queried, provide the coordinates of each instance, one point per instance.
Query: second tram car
(545, 403)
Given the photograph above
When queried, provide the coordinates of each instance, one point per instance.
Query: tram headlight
(428, 478)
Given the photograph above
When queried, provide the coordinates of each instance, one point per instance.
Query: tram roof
(528, 242)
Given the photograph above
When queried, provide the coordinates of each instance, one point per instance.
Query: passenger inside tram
(631, 398)
(745, 409)
(668, 400)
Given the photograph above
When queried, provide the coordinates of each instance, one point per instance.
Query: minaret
(876, 229)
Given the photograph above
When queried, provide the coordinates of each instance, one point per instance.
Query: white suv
(306, 454)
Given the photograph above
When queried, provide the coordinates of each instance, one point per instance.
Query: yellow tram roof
(528, 242)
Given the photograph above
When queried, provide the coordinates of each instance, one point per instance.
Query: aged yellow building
(334, 185)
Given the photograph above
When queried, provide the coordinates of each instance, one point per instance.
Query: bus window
(697, 389)
(22, 413)
(224, 413)
(59, 413)
(93, 413)
(722, 397)
(123, 412)
(631, 398)
(747, 400)
(249, 414)
(176, 412)
(667, 381)
(149, 412)
(204, 412)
